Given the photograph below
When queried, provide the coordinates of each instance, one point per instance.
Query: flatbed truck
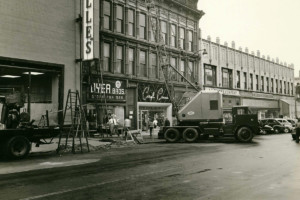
(17, 135)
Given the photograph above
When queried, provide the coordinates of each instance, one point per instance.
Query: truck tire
(17, 147)
(172, 135)
(244, 134)
(190, 135)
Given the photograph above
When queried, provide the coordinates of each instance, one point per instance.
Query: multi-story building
(45, 48)
(38, 48)
(248, 79)
(134, 36)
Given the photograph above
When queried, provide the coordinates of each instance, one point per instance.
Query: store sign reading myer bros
(112, 91)
(88, 29)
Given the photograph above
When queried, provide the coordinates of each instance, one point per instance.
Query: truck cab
(242, 116)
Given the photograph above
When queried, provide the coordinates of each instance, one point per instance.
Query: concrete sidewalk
(96, 143)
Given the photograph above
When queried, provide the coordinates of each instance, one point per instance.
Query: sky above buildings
(271, 26)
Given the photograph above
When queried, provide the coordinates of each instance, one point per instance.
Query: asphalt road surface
(268, 168)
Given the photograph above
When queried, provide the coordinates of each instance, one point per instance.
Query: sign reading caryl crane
(153, 93)
(88, 30)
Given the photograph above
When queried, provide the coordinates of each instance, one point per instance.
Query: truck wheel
(190, 134)
(172, 135)
(17, 147)
(244, 134)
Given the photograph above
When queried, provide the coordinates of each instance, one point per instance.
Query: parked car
(286, 124)
(265, 129)
(292, 121)
(276, 125)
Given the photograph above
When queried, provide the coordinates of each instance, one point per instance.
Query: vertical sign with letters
(88, 30)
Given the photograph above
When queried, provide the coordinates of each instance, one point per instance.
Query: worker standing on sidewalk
(151, 125)
(297, 131)
(127, 125)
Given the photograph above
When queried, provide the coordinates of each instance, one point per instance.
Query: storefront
(32, 87)
(153, 104)
(266, 105)
(105, 98)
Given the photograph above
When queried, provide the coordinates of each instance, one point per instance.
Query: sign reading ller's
(88, 30)
(112, 90)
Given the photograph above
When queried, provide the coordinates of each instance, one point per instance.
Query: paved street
(268, 168)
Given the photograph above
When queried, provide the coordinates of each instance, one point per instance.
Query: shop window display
(34, 91)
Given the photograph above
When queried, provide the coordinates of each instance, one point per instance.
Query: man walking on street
(297, 131)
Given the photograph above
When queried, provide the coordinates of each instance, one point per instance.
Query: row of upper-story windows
(147, 27)
(263, 84)
(140, 62)
(239, 59)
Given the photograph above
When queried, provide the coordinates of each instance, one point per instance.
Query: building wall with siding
(44, 31)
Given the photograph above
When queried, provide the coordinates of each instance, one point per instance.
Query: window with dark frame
(131, 24)
(181, 38)
(190, 34)
(142, 27)
(191, 71)
(210, 75)
(182, 70)
(119, 66)
(173, 74)
(131, 62)
(226, 78)
(245, 81)
(153, 29)
(238, 79)
(272, 85)
(106, 57)
(143, 67)
(280, 87)
(173, 35)
(107, 15)
(213, 105)
(153, 66)
(163, 27)
(267, 80)
(262, 84)
(257, 84)
(119, 19)
(251, 82)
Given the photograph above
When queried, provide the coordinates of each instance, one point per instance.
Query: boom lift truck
(203, 115)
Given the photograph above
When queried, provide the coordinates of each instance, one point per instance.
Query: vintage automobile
(279, 127)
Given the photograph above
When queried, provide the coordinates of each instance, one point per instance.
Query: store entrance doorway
(144, 120)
